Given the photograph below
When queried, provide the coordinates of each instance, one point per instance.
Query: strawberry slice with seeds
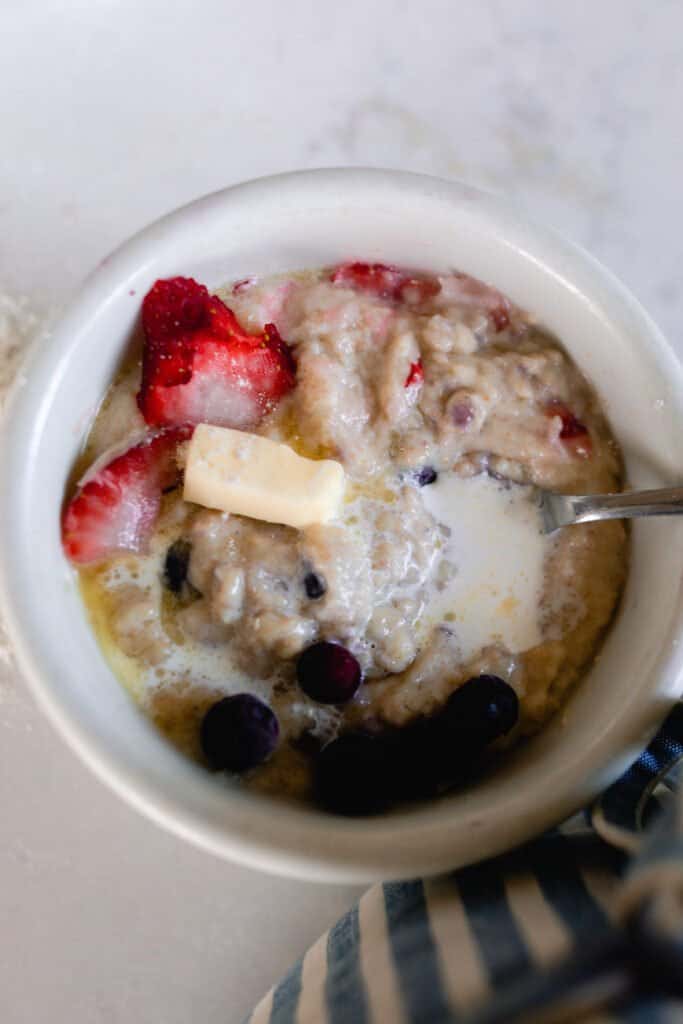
(174, 306)
(386, 282)
(117, 503)
(200, 366)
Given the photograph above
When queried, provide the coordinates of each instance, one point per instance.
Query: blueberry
(238, 733)
(481, 710)
(314, 585)
(352, 774)
(328, 673)
(416, 755)
(447, 747)
(427, 475)
(176, 564)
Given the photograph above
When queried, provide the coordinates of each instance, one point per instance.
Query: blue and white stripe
(464, 947)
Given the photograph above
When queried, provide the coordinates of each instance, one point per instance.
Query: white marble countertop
(114, 111)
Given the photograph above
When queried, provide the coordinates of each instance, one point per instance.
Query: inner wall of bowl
(260, 229)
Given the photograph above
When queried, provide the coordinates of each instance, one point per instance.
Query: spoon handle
(665, 501)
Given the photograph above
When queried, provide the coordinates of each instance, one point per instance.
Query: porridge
(307, 536)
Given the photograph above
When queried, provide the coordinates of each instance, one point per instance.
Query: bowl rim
(322, 847)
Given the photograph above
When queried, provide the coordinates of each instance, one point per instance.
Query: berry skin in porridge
(306, 532)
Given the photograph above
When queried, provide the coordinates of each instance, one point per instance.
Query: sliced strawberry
(378, 278)
(116, 507)
(573, 432)
(200, 366)
(174, 306)
(414, 290)
(571, 426)
(386, 282)
(230, 385)
(470, 292)
(415, 376)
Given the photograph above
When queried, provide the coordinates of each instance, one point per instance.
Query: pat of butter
(253, 476)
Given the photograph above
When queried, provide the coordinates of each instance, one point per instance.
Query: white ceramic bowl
(307, 219)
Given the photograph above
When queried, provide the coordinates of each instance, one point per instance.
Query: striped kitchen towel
(561, 929)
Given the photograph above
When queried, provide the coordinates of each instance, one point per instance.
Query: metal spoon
(565, 509)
